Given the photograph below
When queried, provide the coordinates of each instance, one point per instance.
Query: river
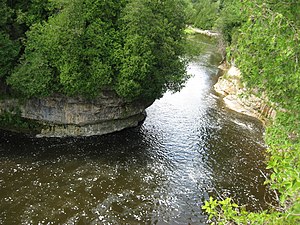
(189, 148)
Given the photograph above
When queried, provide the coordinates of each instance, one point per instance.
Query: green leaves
(204, 13)
(35, 84)
(267, 52)
(153, 42)
(132, 47)
(283, 137)
(267, 48)
(224, 211)
(9, 51)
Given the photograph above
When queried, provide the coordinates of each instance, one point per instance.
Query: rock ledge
(236, 97)
(63, 116)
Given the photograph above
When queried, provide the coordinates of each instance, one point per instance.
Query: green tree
(153, 32)
(266, 47)
(267, 51)
(70, 53)
(29, 12)
(9, 48)
(132, 47)
(205, 13)
(15, 19)
(231, 17)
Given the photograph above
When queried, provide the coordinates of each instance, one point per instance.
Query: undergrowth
(12, 120)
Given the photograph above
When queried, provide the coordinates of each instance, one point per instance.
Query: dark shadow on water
(128, 145)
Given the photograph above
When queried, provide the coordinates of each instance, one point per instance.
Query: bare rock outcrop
(65, 116)
(208, 33)
(238, 98)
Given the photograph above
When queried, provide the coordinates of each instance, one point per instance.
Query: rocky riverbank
(62, 116)
(236, 96)
(208, 33)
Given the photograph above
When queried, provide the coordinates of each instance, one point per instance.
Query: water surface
(188, 148)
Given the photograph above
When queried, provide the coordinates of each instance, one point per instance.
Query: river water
(189, 148)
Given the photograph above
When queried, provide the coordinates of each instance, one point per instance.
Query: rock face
(208, 33)
(62, 116)
(238, 98)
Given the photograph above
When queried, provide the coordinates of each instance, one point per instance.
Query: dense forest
(262, 38)
(82, 47)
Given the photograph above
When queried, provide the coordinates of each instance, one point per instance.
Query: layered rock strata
(238, 98)
(64, 116)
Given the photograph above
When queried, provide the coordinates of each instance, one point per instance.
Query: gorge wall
(63, 116)
(238, 98)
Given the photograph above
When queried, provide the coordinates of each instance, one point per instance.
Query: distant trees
(204, 13)
(221, 15)
(81, 47)
(264, 42)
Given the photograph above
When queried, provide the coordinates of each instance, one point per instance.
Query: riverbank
(281, 137)
(208, 33)
(238, 98)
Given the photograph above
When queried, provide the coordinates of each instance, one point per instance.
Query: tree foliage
(15, 19)
(150, 60)
(81, 47)
(9, 47)
(232, 16)
(204, 13)
(264, 43)
(268, 51)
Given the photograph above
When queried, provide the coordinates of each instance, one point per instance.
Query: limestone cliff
(238, 98)
(64, 116)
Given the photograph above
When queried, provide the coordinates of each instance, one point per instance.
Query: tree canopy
(204, 13)
(82, 47)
